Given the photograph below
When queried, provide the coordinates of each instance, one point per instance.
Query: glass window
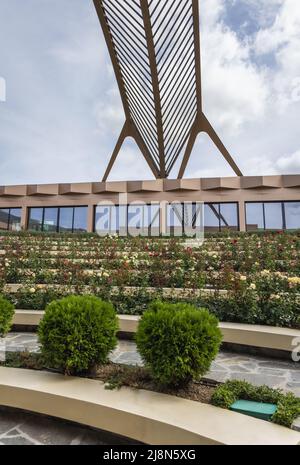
(212, 217)
(50, 219)
(122, 219)
(229, 216)
(80, 219)
(62, 219)
(106, 220)
(175, 219)
(292, 215)
(36, 219)
(10, 219)
(143, 220)
(137, 219)
(66, 219)
(15, 219)
(152, 220)
(4, 218)
(255, 216)
(273, 216)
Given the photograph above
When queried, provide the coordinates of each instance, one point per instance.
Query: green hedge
(77, 333)
(177, 342)
(7, 311)
(288, 406)
(240, 307)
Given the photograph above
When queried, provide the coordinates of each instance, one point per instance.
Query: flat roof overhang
(277, 186)
(239, 190)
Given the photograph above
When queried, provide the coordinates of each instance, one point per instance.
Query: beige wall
(239, 190)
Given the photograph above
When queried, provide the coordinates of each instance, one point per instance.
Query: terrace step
(166, 292)
(144, 416)
(268, 337)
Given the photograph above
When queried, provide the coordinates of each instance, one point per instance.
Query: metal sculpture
(154, 47)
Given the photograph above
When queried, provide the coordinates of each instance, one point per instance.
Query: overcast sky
(62, 113)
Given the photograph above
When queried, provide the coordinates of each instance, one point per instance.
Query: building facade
(239, 204)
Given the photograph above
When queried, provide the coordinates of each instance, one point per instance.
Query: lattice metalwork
(154, 46)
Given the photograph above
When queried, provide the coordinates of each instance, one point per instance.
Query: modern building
(239, 203)
(155, 52)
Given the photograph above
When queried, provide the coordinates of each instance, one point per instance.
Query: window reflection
(175, 218)
(15, 219)
(255, 216)
(105, 219)
(135, 219)
(273, 216)
(292, 215)
(66, 219)
(221, 216)
(10, 219)
(143, 220)
(4, 218)
(212, 217)
(229, 216)
(80, 219)
(62, 219)
(36, 219)
(50, 223)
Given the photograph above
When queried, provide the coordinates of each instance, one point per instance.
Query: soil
(116, 376)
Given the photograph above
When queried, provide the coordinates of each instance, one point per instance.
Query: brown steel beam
(155, 85)
(207, 127)
(145, 55)
(203, 125)
(122, 137)
(197, 46)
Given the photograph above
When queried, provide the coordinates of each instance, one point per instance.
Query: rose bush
(259, 271)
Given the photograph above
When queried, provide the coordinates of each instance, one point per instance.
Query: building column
(24, 217)
(242, 216)
(90, 220)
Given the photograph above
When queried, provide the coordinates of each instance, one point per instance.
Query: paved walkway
(257, 370)
(20, 428)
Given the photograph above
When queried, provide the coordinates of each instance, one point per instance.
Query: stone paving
(257, 370)
(20, 428)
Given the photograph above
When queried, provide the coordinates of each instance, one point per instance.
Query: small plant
(178, 342)
(77, 333)
(7, 311)
(288, 406)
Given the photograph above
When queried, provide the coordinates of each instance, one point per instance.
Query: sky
(62, 113)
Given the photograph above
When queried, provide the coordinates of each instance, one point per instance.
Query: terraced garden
(240, 278)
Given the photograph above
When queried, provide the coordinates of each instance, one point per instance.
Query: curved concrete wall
(143, 416)
(266, 337)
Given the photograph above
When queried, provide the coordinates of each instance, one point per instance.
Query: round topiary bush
(77, 333)
(7, 311)
(178, 342)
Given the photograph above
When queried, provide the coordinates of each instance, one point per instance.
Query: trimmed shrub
(288, 406)
(77, 333)
(178, 342)
(7, 311)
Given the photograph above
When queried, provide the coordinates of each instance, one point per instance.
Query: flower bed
(260, 273)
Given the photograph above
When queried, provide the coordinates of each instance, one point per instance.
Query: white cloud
(2, 89)
(64, 108)
(289, 164)
(235, 89)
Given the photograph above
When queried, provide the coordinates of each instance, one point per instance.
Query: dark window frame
(127, 211)
(58, 217)
(222, 228)
(9, 216)
(283, 212)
